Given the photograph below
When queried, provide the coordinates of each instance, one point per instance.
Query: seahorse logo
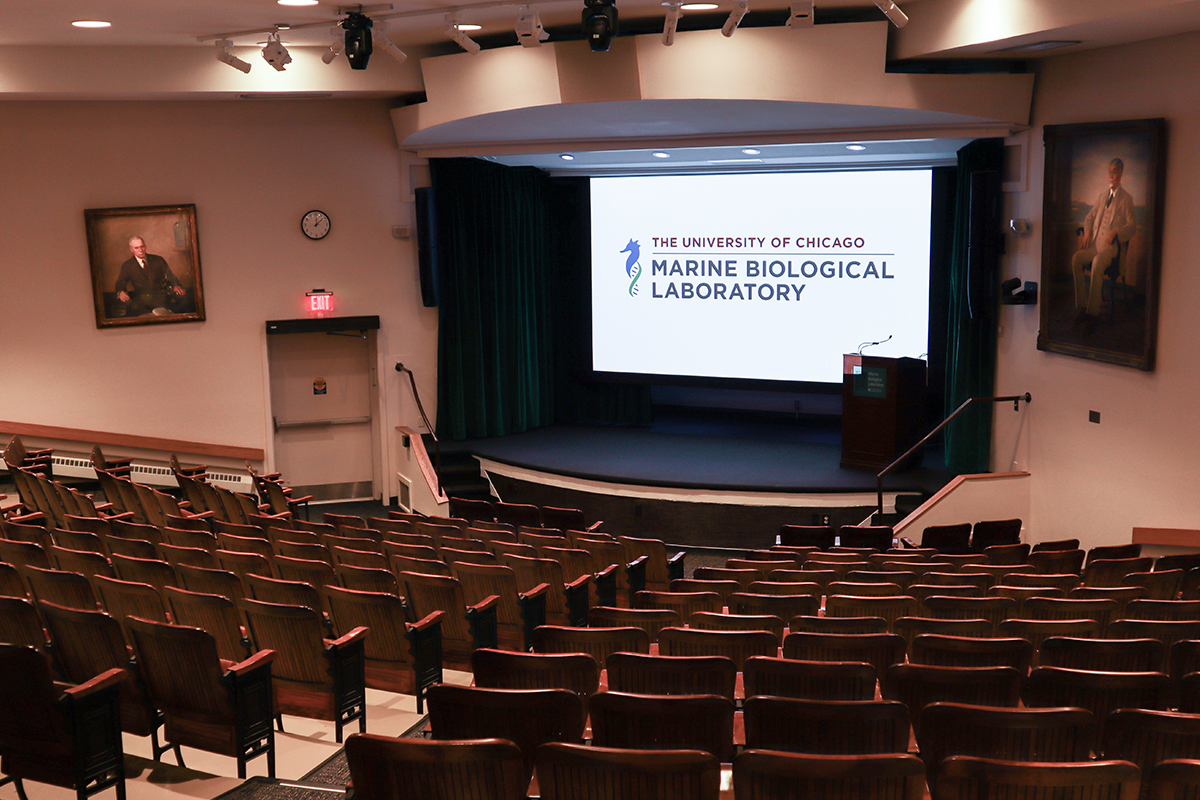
(632, 268)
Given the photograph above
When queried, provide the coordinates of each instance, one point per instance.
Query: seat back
(663, 722)
(574, 772)
(826, 726)
(1148, 738)
(1012, 734)
(651, 620)
(770, 775)
(880, 650)
(1112, 655)
(384, 767)
(735, 645)
(988, 533)
(1099, 692)
(954, 539)
(638, 673)
(527, 717)
(971, 778)
(504, 669)
(599, 643)
(918, 685)
(212, 613)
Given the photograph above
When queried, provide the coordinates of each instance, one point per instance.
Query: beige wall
(1140, 465)
(252, 168)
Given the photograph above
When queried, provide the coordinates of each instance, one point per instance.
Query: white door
(322, 400)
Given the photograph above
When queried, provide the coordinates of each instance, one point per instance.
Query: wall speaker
(427, 251)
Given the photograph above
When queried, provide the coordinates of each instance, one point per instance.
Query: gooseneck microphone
(861, 347)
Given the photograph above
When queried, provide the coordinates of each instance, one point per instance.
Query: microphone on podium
(865, 345)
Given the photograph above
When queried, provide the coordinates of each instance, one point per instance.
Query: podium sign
(883, 409)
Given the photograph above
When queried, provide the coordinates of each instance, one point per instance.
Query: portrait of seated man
(146, 283)
(1108, 227)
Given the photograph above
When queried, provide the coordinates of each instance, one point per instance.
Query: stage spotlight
(335, 47)
(600, 23)
(893, 12)
(275, 53)
(671, 22)
(735, 17)
(390, 48)
(801, 15)
(226, 57)
(530, 32)
(460, 38)
(358, 39)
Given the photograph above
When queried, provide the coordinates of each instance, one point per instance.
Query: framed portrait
(145, 265)
(1102, 239)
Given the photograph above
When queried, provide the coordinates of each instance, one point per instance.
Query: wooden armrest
(427, 622)
(104, 680)
(280, 515)
(43, 451)
(491, 601)
(908, 543)
(298, 500)
(122, 516)
(356, 635)
(584, 580)
(537, 591)
(611, 569)
(270, 476)
(256, 661)
(595, 526)
(32, 516)
(639, 562)
(675, 567)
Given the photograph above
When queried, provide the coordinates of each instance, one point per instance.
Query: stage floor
(697, 451)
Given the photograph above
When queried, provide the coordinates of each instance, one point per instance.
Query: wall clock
(315, 224)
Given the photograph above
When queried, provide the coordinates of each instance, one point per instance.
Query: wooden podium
(883, 409)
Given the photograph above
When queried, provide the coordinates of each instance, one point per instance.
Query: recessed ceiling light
(1038, 47)
(567, 157)
(750, 151)
(297, 2)
(468, 26)
(91, 23)
(698, 6)
(661, 154)
(856, 147)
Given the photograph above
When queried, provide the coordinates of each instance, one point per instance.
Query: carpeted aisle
(326, 782)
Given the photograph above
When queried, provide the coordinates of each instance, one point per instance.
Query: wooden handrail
(234, 452)
(437, 446)
(1015, 399)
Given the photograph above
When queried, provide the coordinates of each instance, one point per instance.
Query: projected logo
(632, 268)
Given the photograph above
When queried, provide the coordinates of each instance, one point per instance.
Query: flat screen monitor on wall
(758, 277)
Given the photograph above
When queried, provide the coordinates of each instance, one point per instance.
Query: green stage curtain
(512, 251)
(970, 342)
(496, 258)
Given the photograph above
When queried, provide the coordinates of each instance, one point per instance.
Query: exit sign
(320, 302)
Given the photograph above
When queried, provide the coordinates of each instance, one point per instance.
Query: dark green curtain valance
(970, 339)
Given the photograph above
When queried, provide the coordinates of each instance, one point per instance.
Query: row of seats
(492, 769)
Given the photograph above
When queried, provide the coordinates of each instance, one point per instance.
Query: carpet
(260, 788)
(335, 772)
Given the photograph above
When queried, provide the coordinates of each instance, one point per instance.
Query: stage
(696, 478)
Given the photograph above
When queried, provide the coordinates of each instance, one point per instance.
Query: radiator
(150, 474)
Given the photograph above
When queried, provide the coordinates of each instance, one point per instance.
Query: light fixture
(297, 2)
(458, 37)
(226, 57)
(660, 154)
(275, 53)
(530, 32)
(600, 23)
(699, 6)
(671, 22)
(567, 157)
(391, 49)
(751, 151)
(892, 12)
(801, 15)
(856, 147)
(335, 47)
(735, 17)
(358, 39)
(91, 23)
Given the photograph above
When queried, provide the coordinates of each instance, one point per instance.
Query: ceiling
(957, 33)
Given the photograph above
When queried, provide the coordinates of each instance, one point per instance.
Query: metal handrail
(437, 446)
(1015, 399)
